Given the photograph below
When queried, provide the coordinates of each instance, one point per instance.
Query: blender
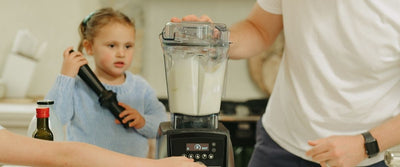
(195, 59)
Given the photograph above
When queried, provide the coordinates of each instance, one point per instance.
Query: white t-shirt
(1, 127)
(340, 73)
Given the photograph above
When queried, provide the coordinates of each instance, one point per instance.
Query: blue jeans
(267, 153)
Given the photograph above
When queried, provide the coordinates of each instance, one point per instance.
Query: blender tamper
(107, 98)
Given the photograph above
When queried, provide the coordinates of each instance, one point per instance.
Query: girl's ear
(88, 47)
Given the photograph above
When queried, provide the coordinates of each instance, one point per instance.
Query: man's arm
(250, 36)
(254, 34)
(387, 133)
(21, 150)
(349, 150)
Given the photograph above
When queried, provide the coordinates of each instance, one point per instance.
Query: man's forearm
(246, 41)
(255, 34)
(387, 133)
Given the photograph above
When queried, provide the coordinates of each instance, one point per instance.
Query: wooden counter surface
(236, 118)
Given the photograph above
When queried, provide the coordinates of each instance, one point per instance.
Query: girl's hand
(130, 114)
(72, 62)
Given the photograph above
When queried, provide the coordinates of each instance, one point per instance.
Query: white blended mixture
(194, 90)
(211, 88)
(182, 85)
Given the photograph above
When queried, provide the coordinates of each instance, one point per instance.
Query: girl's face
(112, 49)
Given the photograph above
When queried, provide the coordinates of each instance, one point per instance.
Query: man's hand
(338, 151)
(203, 18)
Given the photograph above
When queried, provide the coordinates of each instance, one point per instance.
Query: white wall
(56, 22)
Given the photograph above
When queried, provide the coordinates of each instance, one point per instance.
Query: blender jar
(195, 59)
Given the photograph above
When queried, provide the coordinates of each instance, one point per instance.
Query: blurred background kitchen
(34, 34)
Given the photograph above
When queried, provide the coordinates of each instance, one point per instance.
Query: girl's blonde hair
(91, 25)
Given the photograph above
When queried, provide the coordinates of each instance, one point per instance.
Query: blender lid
(195, 34)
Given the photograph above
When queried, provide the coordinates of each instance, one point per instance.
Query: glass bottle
(392, 158)
(54, 122)
(42, 126)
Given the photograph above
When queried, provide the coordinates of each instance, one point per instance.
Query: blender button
(213, 144)
(211, 156)
(204, 156)
(197, 147)
(190, 156)
(197, 156)
(214, 150)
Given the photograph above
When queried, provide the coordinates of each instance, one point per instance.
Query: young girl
(108, 36)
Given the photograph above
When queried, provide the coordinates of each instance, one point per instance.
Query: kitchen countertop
(20, 107)
(237, 118)
(16, 112)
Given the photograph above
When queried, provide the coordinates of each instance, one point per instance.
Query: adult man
(337, 92)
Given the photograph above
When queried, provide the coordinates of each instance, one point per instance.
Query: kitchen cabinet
(15, 115)
(241, 118)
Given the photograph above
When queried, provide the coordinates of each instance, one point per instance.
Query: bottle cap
(45, 102)
(42, 112)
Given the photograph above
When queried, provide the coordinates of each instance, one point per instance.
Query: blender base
(212, 147)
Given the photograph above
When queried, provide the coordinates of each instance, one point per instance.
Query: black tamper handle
(107, 98)
(91, 80)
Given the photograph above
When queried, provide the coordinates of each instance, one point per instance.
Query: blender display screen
(197, 147)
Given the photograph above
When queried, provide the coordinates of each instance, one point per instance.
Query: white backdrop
(56, 22)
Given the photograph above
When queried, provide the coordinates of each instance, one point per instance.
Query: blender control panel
(209, 148)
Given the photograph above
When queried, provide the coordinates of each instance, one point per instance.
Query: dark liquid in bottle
(42, 129)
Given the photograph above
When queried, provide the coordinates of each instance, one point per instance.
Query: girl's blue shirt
(77, 107)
